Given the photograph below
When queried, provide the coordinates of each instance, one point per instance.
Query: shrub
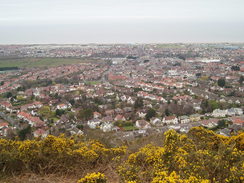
(93, 178)
(200, 156)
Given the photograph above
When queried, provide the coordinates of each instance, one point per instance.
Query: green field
(40, 62)
(129, 128)
(92, 82)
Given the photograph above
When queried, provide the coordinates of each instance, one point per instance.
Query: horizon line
(119, 43)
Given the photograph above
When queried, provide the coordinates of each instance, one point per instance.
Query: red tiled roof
(2, 124)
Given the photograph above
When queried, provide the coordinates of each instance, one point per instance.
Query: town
(127, 90)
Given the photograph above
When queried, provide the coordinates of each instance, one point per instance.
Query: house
(33, 105)
(36, 92)
(195, 117)
(4, 128)
(170, 120)
(76, 131)
(130, 101)
(197, 106)
(3, 125)
(219, 113)
(97, 115)
(238, 121)
(107, 119)
(40, 133)
(64, 119)
(33, 121)
(119, 117)
(106, 127)
(182, 98)
(184, 129)
(210, 123)
(184, 119)
(155, 121)
(93, 124)
(225, 132)
(234, 112)
(119, 111)
(231, 112)
(62, 106)
(116, 128)
(140, 132)
(174, 127)
(109, 112)
(128, 109)
(142, 124)
(141, 114)
(6, 105)
(123, 98)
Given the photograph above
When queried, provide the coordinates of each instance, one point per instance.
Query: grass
(92, 82)
(55, 119)
(40, 62)
(129, 128)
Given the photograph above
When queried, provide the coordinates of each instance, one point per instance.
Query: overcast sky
(121, 21)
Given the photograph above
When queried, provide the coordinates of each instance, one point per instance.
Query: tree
(205, 106)
(80, 127)
(221, 82)
(222, 124)
(150, 113)
(235, 68)
(138, 103)
(137, 89)
(85, 114)
(24, 132)
(72, 102)
(9, 94)
(241, 80)
(209, 105)
(59, 112)
(45, 111)
(198, 75)
(166, 112)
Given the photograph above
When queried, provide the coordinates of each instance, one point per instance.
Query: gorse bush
(54, 154)
(93, 178)
(201, 156)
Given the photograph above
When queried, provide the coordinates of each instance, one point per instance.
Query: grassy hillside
(201, 156)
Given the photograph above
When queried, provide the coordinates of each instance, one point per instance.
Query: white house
(96, 115)
(142, 124)
(93, 124)
(141, 114)
(155, 121)
(130, 101)
(170, 120)
(219, 113)
(234, 112)
(184, 119)
(119, 117)
(195, 117)
(106, 127)
(40, 133)
(62, 106)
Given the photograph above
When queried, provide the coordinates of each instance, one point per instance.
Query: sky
(120, 21)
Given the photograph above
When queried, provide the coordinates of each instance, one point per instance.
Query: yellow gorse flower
(93, 178)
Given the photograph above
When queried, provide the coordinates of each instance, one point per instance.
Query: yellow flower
(93, 178)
